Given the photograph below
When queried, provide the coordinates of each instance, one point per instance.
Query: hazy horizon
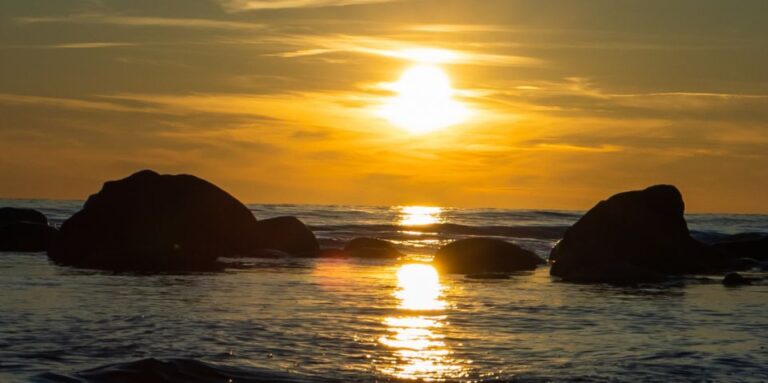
(540, 104)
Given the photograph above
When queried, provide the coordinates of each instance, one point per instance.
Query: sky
(278, 101)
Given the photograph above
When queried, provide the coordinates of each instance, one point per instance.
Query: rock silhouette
(15, 215)
(286, 234)
(27, 237)
(25, 230)
(155, 222)
(484, 255)
(632, 237)
(748, 247)
(735, 279)
(371, 248)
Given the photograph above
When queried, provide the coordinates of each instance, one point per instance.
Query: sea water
(348, 320)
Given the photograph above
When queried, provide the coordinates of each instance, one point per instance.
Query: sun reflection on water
(419, 288)
(419, 215)
(414, 336)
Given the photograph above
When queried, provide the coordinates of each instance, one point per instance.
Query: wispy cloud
(312, 45)
(462, 28)
(137, 21)
(90, 45)
(71, 103)
(578, 148)
(255, 5)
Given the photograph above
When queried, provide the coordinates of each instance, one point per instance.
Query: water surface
(361, 321)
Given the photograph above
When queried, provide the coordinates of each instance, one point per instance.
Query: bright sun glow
(424, 101)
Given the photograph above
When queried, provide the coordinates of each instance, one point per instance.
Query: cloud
(138, 21)
(579, 148)
(256, 5)
(90, 45)
(462, 28)
(580, 97)
(71, 103)
(313, 45)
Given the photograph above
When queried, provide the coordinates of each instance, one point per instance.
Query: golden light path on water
(419, 215)
(414, 335)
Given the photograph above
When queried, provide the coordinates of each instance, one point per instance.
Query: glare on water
(419, 288)
(415, 335)
(419, 215)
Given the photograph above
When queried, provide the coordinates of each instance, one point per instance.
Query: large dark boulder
(749, 247)
(15, 215)
(618, 273)
(484, 255)
(26, 236)
(155, 222)
(286, 234)
(371, 248)
(643, 234)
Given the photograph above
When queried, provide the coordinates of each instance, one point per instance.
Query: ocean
(354, 320)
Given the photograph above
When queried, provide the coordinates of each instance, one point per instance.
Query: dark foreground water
(296, 320)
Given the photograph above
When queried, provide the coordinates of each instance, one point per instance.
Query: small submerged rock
(287, 234)
(175, 370)
(371, 248)
(488, 276)
(483, 256)
(621, 274)
(735, 279)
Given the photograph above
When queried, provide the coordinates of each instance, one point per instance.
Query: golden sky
(279, 101)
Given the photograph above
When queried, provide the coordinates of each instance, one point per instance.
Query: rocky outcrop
(286, 234)
(632, 237)
(371, 248)
(154, 222)
(484, 255)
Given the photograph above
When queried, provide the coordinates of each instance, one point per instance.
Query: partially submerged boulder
(16, 215)
(749, 247)
(155, 222)
(735, 279)
(632, 237)
(286, 234)
(26, 236)
(484, 255)
(618, 273)
(371, 248)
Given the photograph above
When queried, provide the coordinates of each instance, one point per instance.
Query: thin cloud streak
(71, 103)
(136, 21)
(314, 45)
(256, 5)
(91, 45)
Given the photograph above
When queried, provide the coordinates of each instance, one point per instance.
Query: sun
(423, 101)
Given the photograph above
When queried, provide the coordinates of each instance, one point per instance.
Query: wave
(177, 370)
(533, 232)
